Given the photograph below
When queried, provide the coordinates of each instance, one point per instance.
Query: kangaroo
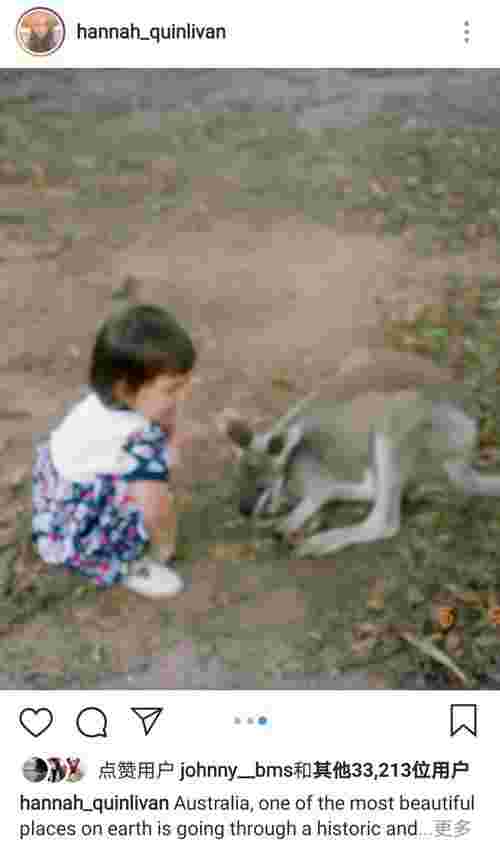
(385, 418)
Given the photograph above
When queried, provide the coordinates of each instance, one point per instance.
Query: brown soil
(267, 297)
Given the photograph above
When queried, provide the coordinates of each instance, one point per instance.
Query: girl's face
(157, 398)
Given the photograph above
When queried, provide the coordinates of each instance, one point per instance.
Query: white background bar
(382, 727)
(267, 34)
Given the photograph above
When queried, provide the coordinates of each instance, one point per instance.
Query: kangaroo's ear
(240, 433)
(280, 445)
(276, 444)
(237, 429)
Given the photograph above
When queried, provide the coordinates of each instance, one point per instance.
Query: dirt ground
(274, 303)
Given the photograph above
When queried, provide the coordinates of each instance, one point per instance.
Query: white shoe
(152, 579)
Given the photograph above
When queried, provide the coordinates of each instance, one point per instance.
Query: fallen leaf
(429, 649)
(492, 598)
(472, 299)
(470, 598)
(489, 456)
(443, 616)
(282, 383)
(488, 438)
(183, 501)
(39, 176)
(454, 642)
(438, 314)
(494, 615)
(364, 637)
(376, 595)
(377, 188)
(224, 552)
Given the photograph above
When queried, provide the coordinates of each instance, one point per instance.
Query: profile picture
(75, 770)
(40, 31)
(35, 769)
(57, 770)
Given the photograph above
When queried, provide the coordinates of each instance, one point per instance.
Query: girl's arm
(171, 425)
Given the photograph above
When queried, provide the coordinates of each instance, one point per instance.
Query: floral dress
(96, 528)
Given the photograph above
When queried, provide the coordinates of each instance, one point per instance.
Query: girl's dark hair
(136, 345)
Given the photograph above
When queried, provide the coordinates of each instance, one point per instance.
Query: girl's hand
(175, 443)
(168, 422)
(176, 439)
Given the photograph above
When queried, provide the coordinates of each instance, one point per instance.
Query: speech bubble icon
(92, 723)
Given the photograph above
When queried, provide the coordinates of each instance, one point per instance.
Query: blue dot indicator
(262, 721)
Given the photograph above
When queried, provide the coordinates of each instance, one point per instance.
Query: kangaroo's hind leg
(384, 519)
(325, 493)
(465, 478)
(462, 435)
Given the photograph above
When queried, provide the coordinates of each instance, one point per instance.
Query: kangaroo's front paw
(295, 538)
(325, 543)
(292, 538)
(282, 528)
(307, 548)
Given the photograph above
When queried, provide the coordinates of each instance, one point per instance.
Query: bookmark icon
(463, 717)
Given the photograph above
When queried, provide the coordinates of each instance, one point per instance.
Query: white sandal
(152, 579)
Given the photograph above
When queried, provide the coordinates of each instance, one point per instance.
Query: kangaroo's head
(262, 461)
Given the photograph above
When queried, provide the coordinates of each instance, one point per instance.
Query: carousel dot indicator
(261, 720)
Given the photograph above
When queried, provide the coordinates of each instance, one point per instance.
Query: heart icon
(36, 721)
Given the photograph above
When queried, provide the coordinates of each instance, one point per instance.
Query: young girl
(100, 482)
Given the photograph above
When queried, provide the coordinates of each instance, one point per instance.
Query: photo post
(250, 427)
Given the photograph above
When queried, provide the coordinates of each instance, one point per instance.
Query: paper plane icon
(148, 717)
